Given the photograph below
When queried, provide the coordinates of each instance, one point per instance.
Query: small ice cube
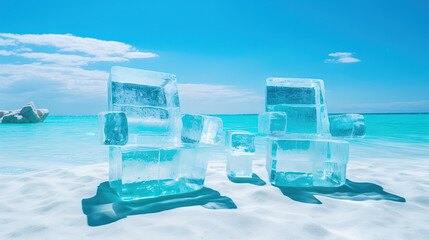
(347, 125)
(240, 146)
(239, 166)
(201, 129)
(112, 128)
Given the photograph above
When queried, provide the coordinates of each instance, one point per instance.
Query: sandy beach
(382, 199)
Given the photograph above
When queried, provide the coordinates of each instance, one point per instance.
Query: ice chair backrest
(303, 100)
(149, 99)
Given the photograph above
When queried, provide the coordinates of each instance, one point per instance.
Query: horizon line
(235, 114)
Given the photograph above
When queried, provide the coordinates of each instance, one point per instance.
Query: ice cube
(240, 146)
(151, 102)
(137, 172)
(201, 129)
(239, 166)
(347, 125)
(112, 128)
(272, 123)
(301, 161)
(240, 142)
(303, 101)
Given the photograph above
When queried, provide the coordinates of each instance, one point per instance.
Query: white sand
(48, 205)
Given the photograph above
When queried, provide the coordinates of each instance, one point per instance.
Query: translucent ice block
(151, 102)
(305, 162)
(240, 142)
(347, 125)
(201, 129)
(303, 101)
(240, 146)
(272, 123)
(112, 128)
(239, 166)
(137, 172)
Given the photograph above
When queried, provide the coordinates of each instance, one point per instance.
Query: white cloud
(140, 55)
(6, 53)
(23, 49)
(7, 42)
(342, 57)
(71, 50)
(61, 58)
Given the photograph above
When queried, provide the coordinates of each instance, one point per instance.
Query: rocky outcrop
(27, 114)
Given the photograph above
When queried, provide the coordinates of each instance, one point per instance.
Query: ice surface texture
(307, 162)
(347, 125)
(303, 101)
(272, 123)
(240, 146)
(112, 128)
(201, 129)
(151, 102)
(137, 172)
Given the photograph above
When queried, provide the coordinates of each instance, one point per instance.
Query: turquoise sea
(63, 141)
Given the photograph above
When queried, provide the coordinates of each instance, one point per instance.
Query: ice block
(137, 172)
(240, 147)
(112, 128)
(239, 166)
(347, 125)
(150, 101)
(305, 161)
(303, 101)
(201, 129)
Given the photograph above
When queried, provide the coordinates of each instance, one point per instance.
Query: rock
(43, 114)
(28, 114)
(14, 117)
(4, 113)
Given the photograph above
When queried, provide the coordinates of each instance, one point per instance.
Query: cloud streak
(216, 92)
(7, 42)
(218, 99)
(70, 79)
(67, 43)
(342, 57)
(388, 107)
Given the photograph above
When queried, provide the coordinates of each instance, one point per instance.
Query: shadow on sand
(255, 180)
(350, 191)
(106, 206)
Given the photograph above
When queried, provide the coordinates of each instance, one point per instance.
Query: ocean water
(63, 141)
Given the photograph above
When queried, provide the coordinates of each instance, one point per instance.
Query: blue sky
(371, 54)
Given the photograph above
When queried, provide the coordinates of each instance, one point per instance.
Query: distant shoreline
(258, 113)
